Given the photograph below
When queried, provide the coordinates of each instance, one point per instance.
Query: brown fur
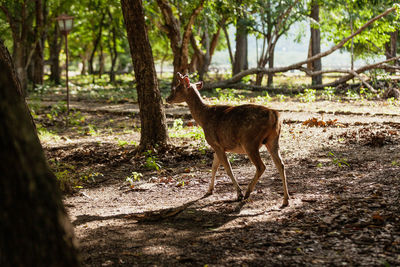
(240, 129)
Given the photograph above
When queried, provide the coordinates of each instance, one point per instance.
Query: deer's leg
(273, 148)
(227, 166)
(214, 169)
(254, 156)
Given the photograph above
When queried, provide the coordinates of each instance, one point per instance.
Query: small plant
(227, 96)
(340, 162)
(391, 101)
(46, 135)
(152, 161)
(309, 95)
(264, 99)
(91, 130)
(91, 176)
(178, 125)
(281, 98)
(76, 118)
(352, 94)
(232, 158)
(65, 174)
(329, 93)
(123, 143)
(134, 177)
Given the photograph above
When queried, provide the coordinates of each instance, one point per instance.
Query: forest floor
(343, 166)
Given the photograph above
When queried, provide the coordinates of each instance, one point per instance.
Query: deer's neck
(198, 108)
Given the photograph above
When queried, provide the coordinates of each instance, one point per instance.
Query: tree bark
(20, 15)
(240, 61)
(96, 44)
(152, 116)
(271, 59)
(201, 61)
(391, 48)
(112, 47)
(179, 44)
(54, 41)
(38, 58)
(228, 42)
(36, 229)
(315, 43)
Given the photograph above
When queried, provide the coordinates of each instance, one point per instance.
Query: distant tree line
(186, 33)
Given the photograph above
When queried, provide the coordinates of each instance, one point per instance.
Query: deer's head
(180, 92)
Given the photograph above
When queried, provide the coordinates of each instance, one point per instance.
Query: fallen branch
(363, 81)
(351, 75)
(237, 78)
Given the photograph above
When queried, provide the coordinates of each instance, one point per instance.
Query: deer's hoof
(285, 204)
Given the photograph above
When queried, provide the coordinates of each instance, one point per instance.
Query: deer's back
(232, 127)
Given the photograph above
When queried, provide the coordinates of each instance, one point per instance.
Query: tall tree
(34, 225)
(179, 42)
(336, 16)
(315, 42)
(20, 16)
(37, 65)
(205, 38)
(391, 46)
(152, 116)
(240, 60)
(271, 21)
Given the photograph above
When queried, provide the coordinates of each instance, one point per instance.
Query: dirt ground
(343, 168)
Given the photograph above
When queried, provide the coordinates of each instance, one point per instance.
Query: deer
(240, 129)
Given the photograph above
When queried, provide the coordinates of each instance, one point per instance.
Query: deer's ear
(186, 80)
(199, 85)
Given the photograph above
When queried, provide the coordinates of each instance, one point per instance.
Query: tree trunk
(83, 69)
(101, 60)
(228, 43)
(36, 229)
(391, 48)
(240, 61)
(112, 45)
(316, 43)
(152, 116)
(179, 44)
(38, 58)
(54, 41)
(95, 45)
(19, 56)
(271, 58)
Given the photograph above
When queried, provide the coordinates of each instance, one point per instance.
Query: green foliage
(281, 97)
(178, 125)
(264, 99)
(329, 93)
(46, 135)
(351, 94)
(91, 176)
(76, 118)
(65, 174)
(134, 177)
(339, 17)
(123, 143)
(152, 162)
(309, 95)
(340, 162)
